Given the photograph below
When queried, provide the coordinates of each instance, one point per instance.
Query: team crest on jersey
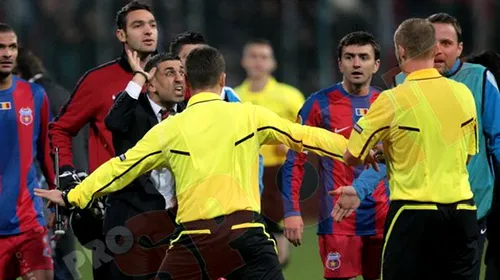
(333, 261)
(26, 116)
(361, 111)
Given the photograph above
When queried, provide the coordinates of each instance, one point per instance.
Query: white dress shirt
(162, 179)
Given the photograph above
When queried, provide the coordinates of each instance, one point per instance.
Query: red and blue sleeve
(293, 168)
(43, 154)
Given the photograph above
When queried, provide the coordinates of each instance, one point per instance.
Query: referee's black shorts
(430, 241)
(236, 246)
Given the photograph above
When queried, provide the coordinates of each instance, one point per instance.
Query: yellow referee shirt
(428, 128)
(212, 150)
(282, 99)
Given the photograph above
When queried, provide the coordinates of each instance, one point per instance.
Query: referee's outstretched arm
(272, 129)
(148, 154)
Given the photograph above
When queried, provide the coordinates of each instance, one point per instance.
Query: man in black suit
(146, 208)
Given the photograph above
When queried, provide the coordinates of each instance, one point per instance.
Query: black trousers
(236, 246)
(430, 241)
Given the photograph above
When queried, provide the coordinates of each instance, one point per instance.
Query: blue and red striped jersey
(336, 110)
(24, 123)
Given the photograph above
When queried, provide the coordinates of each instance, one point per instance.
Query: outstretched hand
(54, 196)
(347, 202)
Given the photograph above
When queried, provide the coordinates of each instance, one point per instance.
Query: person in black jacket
(31, 68)
(147, 207)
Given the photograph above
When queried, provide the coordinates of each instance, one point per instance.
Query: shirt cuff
(133, 90)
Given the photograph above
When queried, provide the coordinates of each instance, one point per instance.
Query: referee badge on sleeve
(358, 128)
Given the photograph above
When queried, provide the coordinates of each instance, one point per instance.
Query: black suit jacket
(129, 120)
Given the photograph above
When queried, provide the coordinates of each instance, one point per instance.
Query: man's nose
(6, 53)
(356, 62)
(438, 49)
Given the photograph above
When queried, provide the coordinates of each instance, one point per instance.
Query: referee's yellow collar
(428, 73)
(203, 97)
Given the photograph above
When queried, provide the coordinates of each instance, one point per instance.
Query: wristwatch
(64, 195)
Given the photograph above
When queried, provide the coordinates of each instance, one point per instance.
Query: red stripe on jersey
(340, 110)
(25, 111)
(381, 206)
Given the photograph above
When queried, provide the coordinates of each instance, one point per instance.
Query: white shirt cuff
(133, 90)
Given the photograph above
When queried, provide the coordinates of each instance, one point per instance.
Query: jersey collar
(203, 97)
(424, 74)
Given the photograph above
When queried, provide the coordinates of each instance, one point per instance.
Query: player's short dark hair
(121, 15)
(186, 38)
(155, 60)
(5, 28)
(204, 67)
(28, 64)
(448, 19)
(359, 38)
(488, 59)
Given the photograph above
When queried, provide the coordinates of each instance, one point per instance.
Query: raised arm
(121, 115)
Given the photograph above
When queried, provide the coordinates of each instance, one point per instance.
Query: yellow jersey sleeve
(119, 172)
(272, 129)
(371, 128)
